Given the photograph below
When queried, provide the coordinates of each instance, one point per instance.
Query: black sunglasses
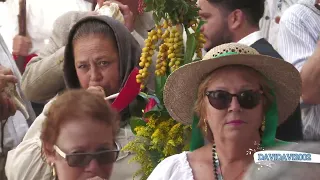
(222, 99)
(83, 159)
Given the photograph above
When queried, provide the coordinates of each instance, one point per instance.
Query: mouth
(236, 122)
(96, 178)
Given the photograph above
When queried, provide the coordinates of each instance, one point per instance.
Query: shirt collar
(251, 38)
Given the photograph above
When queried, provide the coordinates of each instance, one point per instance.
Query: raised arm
(43, 77)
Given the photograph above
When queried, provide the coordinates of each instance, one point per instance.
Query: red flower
(151, 103)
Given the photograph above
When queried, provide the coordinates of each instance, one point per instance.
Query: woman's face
(234, 121)
(83, 136)
(97, 63)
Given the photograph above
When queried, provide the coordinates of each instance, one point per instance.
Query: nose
(234, 105)
(93, 167)
(95, 74)
(202, 29)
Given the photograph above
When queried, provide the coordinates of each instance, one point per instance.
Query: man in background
(298, 43)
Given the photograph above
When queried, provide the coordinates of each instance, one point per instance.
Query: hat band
(225, 54)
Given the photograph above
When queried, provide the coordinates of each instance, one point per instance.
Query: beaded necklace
(216, 163)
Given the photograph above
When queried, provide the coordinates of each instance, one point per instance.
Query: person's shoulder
(173, 167)
(174, 161)
(26, 162)
(295, 12)
(70, 18)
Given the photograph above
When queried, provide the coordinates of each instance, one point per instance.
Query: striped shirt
(297, 38)
(268, 25)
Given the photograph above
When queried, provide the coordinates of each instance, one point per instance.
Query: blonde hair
(200, 105)
(76, 104)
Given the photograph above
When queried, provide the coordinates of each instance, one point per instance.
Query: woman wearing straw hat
(240, 98)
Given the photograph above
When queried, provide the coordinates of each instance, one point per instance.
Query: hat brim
(180, 91)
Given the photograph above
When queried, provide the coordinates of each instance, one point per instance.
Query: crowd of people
(256, 87)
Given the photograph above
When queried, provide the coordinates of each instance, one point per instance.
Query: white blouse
(173, 168)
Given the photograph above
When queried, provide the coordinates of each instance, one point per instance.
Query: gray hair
(94, 27)
(284, 170)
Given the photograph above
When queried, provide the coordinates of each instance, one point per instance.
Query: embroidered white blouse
(175, 167)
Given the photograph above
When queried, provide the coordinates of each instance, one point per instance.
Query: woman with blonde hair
(240, 98)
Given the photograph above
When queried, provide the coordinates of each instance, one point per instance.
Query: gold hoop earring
(54, 173)
(205, 126)
(263, 125)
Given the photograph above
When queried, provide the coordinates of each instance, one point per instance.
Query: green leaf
(148, 8)
(156, 110)
(149, 5)
(138, 105)
(190, 49)
(160, 81)
(201, 23)
(135, 122)
(143, 95)
(155, 98)
(155, 157)
(159, 112)
(156, 18)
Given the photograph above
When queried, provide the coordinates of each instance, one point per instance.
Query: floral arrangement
(157, 134)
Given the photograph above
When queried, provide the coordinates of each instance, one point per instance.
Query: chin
(236, 134)
(207, 47)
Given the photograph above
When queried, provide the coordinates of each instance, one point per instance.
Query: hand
(6, 76)
(126, 12)
(318, 44)
(7, 107)
(277, 19)
(100, 3)
(21, 45)
(98, 90)
(317, 50)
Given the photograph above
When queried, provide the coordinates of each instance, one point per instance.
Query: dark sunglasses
(222, 99)
(83, 159)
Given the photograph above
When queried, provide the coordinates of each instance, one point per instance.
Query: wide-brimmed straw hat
(180, 91)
